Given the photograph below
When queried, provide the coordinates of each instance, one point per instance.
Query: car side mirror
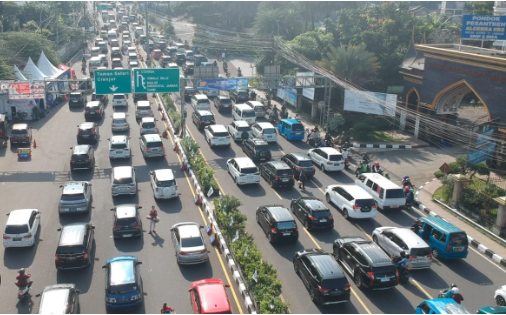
(202, 226)
(90, 184)
(138, 263)
(71, 148)
(58, 229)
(104, 266)
(112, 209)
(92, 227)
(227, 285)
(151, 172)
(61, 186)
(78, 291)
(139, 207)
(38, 294)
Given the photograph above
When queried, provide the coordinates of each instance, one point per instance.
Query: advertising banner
(307, 92)
(222, 84)
(25, 90)
(358, 101)
(484, 148)
(487, 27)
(289, 95)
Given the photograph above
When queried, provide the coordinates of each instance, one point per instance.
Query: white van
(112, 35)
(95, 63)
(21, 228)
(244, 112)
(181, 48)
(387, 194)
(200, 102)
(139, 31)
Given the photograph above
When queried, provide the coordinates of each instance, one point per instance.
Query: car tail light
(112, 124)
(126, 124)
(116, 227)
(162, 147)
(92, 131)
(310, 217)
(99, 111)
(72, 161)
(156, 127)
(201, 121)
(299, 168)
(292, 133)
(182, 253)
(273, 230)
(78, 131)
(142, 128)
(57, 258)
(7, 237)
(86, 112)
(397, 275)
(87, 160)
(331, 217)
(85, 256)
(371, 276)
(146, 149)
(136, 225)
(276, 178)
(412, 257)
(347, 287)
(356, 207)
(27, 236)
(448, 247)
(212, 120)
(262, 134)
(430, 256)
(329, 163)
(323, 290)
(375, 207)
(296, 228)
(203, 251)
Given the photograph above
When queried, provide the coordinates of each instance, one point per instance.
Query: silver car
(75, 197)
(119, 122)
(119, 147)
(148, 125)
(152, 146)
(188, 243)
(123, 181)
(143, 109)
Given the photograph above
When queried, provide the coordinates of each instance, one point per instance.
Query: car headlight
(135, 297)
(110, 300)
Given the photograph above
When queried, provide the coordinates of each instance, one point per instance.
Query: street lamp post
(277, 24)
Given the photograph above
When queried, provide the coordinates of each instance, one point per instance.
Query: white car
(264, 130)
(239, 130)
(21, 228)
(119, 100)
(189, 244)
(217, 135)
(500, 296)
(119, 122)
(119, 147)
(328, 159)
(148, 126)
(163, 183)
(354, 201)
(243, 171)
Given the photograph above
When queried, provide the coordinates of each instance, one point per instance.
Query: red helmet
(406, 188)
(376, 163)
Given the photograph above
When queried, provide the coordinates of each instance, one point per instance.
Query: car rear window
(167, 183)
(269, 131)
(75, 96)
(123, 288)
(284, 172)
(321, 213)
(305, 163)
(333, 284)
(118, 97)
(203, 101)
(148, 125)
(155, 144)
(221, 134)
(241, 129)
(126, 221)
(123, 181)
(364, 202)
(191, 242)
(249, 170)
(18, 132)
(69, 250)
(248, 113)
(297, 127)
(118, 146)
(72, 197)
(225, 101)
(207, 117)
(335, 158)
(385, 270)
(79, 157)
(85, 131)
(425, 251)
(458, 239)
(286, 225)
(395, 193)
(119, 121)
(16, 229)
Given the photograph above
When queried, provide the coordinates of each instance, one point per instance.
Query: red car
(156, 54)
(208, 296)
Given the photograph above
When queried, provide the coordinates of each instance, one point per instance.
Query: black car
(322, 276)
(257, 149)
(312, 212)
(188, 68)
(366, 262)
(127, 222)
(83, 157)
(74, 247)
(165, 60)
(239, 96)
(116, 53)
(277, 223)
(277, 174)
(77, 99)
(179, 58)
(223, 103)
(102, 98)
(143, 39)
(199, 59)
(94, 111)
(59, 297)
(87, 133)
(189, 92)
(140, 97)
(298, 162)
(202, 118)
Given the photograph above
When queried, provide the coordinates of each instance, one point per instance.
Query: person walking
(166, 309)
(302, 179)
(223, 55)
(153, 216)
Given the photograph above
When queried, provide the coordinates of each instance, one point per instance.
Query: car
(59, 299)
(223, 103)
(209, 296)
(299, 162)
(202, 118)
(495, 309)
(277, 174)
(440, 306)
(257, 149)
(156, 54)
(179, 58)
(103, 47)
(94, 111)
(104, 60)
(198, 59)
(239, 96)
(258, 107)
(116, 63)
(189, 244)
(123, 282)
(239, 130)
(119, 122)
(172, 65)
(217, 135)
(21, 133)
(243, 171)
(114, 43)
(116, 54)
(148, 126)
(77, 99)
(95, 51)
(500, 296)
(119, 100)
(132, 56)
(189, 55)
(75, 197)
(126, 221)
(133, 64)
(119, 147)
(322, 276)
(21, 228)
(152, 146)
(188, 68)
(163, 183)
(140, 97)
(88, 132)
(143, 109)
(366, 262)
(102, 98)
(312, 213)
(264, 130)
(83, 157)
(165, 60)
(395, 240)
(189, 92)
(200, 102)
(328, 159)
(123, 181)
(74, 247)
(132, 50)
(353, 201)
(277, 223)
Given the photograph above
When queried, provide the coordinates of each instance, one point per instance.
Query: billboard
(484, 148)
(358, 101)
(222, 84)
(487, 27)
(23, 90)
(289, 95)
(307, 92)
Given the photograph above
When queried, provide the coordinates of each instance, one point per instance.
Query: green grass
(375, 136)
(438, 194)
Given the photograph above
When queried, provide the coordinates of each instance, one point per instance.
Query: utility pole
(148, 52)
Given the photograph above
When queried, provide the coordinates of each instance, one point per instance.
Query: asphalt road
(476, 276)
(35, 184)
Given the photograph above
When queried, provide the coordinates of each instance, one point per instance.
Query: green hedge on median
(174, 115)
(267, 289)
(203, 172)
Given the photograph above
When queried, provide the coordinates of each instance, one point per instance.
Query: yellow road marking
(413, 281)
(274, 190)
(363, 231)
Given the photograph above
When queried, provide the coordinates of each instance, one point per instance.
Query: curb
(208, 208)
(477, 245)
(388, 146)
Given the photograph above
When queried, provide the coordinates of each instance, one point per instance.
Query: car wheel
(357, 279)
(345, 214)
(435, 253)
(306, 225)
(500, 300)
(295, 268)
(327, 197)
(269, 237)
(312, 296)
(323, 168)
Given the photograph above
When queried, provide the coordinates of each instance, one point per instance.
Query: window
(72, 197)
(458, 239)
(382, 193)
(369, 183)
(375, 187)
(436, 234)
(191, 242)
(32, 218)
(395, 194)
(425, 308)
(335, 158)
(347, 196)
(249, 170)
(361, 260)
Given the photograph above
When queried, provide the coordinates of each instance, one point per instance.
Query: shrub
(439, 174)
(203, 172)
(362, 129)
(336, 123)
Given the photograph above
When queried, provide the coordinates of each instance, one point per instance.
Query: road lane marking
(274, 190)
(413, 281)
(363, 231)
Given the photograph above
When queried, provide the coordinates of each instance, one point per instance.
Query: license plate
(16, 239)
(119, 152)
(385, 279)
(71, 258)
(323, 220)
(298, 133)
(285, 180)
(287, 234)
(127, 235)
(394, 207)
(336, 164)
(92, 113)
(458, 249)
(221, 140)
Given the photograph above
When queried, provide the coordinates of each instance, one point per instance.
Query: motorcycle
(239, 73)
(284, 114)
(273, 118)
(403, 272)
(23, 292)
(345, 153)
(442, 293)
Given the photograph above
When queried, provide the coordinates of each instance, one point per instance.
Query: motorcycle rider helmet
(453, 285)
(376, 163)
(22, 271)
(403, 255)
(405, 177)
(455, 290)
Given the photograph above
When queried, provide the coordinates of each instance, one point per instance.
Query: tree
(483, 7)
(312, 44)
(439, 29)
(18, 46)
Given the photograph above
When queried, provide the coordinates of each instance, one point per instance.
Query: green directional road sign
(117, 81)
(156, 80)
(102, 7)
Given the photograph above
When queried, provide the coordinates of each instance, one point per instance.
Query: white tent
(47, 67)
(18, 74)
(32, 71)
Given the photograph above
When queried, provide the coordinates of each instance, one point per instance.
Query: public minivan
(112, 35)
(445, 240)
(138, 31)
(291, 129)
(244, 112)
(387, 194)
(200, 102)
(180, 47)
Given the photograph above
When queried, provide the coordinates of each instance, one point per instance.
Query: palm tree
(353, 63)
(440, 28)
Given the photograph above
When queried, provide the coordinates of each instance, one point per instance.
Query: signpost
(484, 27)
(102, 7)
(117, 81)
(156, 80)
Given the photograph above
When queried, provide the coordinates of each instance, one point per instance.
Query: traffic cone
(183, 167)
(65, 98)
(34, 144)
(198, 200)
(176, 148)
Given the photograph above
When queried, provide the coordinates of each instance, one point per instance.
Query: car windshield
(79, 157)
(72, 197)
(305, 163)
(286, 225)
(395, 193)
(221, 134)
(364, 202)
(123, 180)
(424, 251)
(149, 125)
(458, 239)
(16, 229)
(69, 250)
(118, 97)
(333, 284)
(155, 144)
(126, 221)
(248, 113)
(166, 183)
(117, 146)
(18, 132)
(119, 121)
(269, 131)
(249, 170)
(85, 131)
(335, 158)
(191, 242)
(321, 213)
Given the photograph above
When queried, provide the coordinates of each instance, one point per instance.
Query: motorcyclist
(297, 117)
(22, 279)
(166, 309)
(253, 97)
(449, 292)
(457, 297)
(406, 181)
(403, 262)
(410, 197)
(239, 72)
(415, 227)
(406, 191)
(328, 140)
(322, 143)
(376, 168)
(215, 63)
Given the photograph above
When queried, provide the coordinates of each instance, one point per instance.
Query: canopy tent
(18, 74)
(32, 71)
(46, 67)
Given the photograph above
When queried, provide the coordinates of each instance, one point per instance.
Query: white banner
(306, 92)
(370, 102)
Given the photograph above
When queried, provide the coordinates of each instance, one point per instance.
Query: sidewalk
(478, 240)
